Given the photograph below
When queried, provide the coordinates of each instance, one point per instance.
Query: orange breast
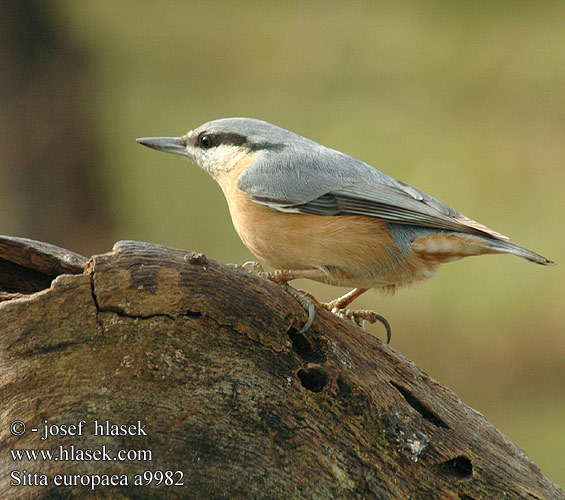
(352, 250)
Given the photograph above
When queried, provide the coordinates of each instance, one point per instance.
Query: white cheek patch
(221, 159)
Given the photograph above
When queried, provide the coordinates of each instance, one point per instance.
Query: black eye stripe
(208, 140)
(231, 138)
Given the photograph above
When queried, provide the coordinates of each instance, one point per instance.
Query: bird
(313, 212)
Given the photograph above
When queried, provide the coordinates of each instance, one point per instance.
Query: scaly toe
(309, 296)
(253, 267)
(358, 317)
(307, 301)
(277, 276)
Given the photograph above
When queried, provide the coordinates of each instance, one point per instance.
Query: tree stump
(196, 373)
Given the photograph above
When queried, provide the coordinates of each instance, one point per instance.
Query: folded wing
(323, 181)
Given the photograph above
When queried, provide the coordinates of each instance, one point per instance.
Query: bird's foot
(251, 266)
(254, 267)
(309, 302)
(306, 300)
(358, 317)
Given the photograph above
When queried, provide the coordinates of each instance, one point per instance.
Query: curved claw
(386, 324)
(311, 317)
(306, 302)
(359, 316)
(373, 317)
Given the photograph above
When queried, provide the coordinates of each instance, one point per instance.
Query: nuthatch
(314, 212)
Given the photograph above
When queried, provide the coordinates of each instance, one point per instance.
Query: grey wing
(323, 181)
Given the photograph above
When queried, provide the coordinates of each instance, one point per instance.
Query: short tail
(507, 247)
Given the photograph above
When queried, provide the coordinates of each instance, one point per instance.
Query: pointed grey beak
(167, 144)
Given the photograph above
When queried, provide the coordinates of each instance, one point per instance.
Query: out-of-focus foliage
(464, 100)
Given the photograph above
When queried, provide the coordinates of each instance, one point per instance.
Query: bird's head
(218, 145)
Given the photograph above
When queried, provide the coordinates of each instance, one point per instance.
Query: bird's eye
(206, 141)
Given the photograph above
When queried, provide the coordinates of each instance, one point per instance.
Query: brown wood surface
(28, 266)
(209, 359)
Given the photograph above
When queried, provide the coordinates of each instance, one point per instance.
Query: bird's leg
(338, 307)
(343, 301)
(306, 300)
(309, 302)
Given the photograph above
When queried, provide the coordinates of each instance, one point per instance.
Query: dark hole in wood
(459, 467)
(303, 347)
(466, 497)
(194, 314)
(313, 379)
(344, 389)
(351, 398)
(420, 407)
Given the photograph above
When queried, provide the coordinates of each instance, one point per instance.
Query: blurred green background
(463, 100)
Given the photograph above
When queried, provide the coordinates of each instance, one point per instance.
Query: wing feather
(316, 180)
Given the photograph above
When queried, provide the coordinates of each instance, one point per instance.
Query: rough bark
(209, 359)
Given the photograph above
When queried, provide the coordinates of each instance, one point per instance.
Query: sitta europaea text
(314, 212)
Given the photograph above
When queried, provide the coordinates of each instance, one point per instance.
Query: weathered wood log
(207, 361)
(28, 266)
